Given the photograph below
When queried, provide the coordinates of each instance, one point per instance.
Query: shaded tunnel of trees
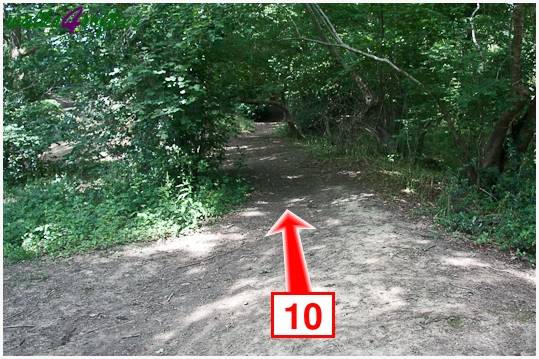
(448, 87)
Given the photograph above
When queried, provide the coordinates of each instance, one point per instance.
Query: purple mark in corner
(71, 25)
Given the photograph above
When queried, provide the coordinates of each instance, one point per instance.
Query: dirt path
(401, 288)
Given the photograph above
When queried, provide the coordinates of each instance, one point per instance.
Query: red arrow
(295, 267)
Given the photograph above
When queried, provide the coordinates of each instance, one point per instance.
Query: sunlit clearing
(257, 148)
(196, 270)
(252, 213)
(163, 337)
(463, 262)
(295, 200)
(353, 197)
(196, 245)
(333, 222)
(373, 260)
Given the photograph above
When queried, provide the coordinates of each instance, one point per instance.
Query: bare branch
(371, 56)
(321, 22)
(328, 23)
(474, 39)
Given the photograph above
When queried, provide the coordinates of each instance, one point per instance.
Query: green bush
(21, 151)
(29, 128)
(503, 214)
(65, 215)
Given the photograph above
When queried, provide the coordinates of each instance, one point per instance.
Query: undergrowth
(501, 215)
(116, 204)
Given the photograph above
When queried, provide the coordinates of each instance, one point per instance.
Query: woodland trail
(402, 288)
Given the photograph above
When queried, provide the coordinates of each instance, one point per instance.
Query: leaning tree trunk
(321, 22)
(494, 155)
(524, 130)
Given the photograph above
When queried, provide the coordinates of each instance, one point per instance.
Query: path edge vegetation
(445, 197)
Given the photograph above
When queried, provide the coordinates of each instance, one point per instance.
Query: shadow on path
(401, 288)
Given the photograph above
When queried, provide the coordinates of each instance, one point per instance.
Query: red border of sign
(273, 336)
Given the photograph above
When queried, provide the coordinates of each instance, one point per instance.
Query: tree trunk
(524, 130)
(494, 152)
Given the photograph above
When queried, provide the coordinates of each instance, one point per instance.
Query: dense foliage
(150, 94)
(141, 115)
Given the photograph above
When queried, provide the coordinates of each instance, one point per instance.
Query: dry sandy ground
(402, 288)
